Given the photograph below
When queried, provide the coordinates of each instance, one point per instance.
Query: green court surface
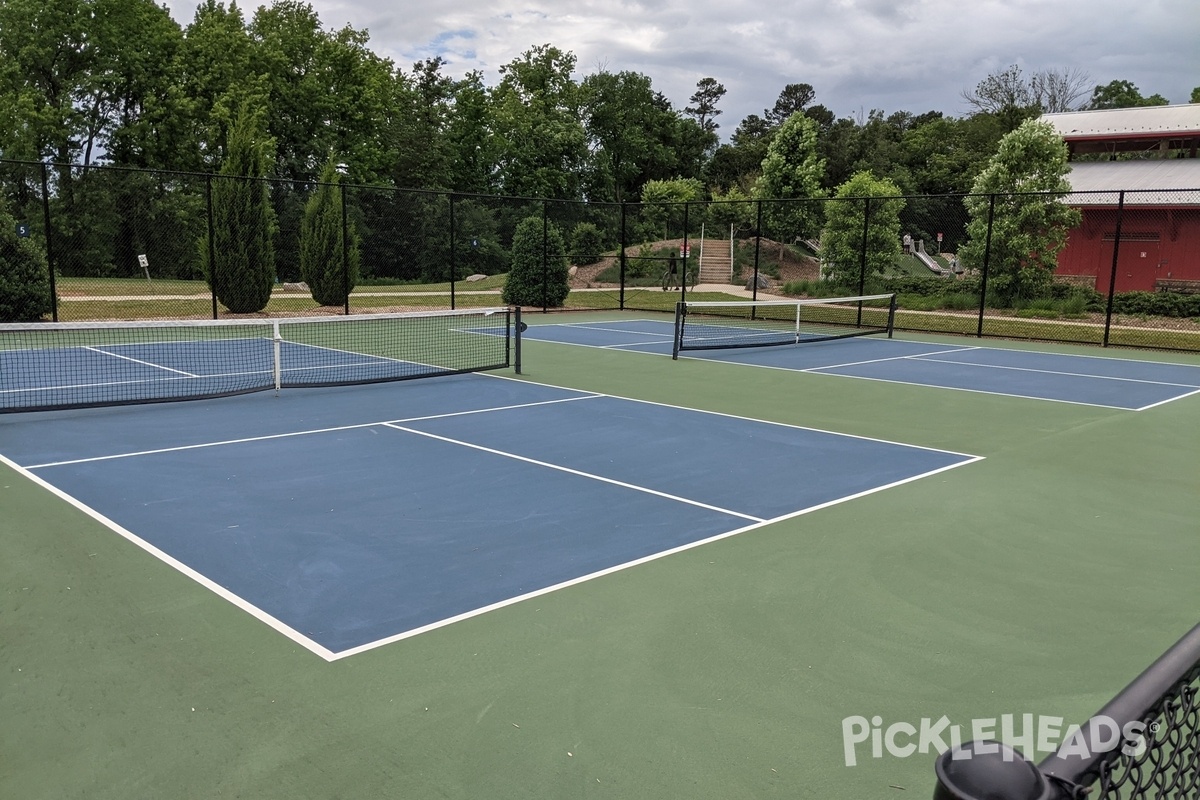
(1039, 581)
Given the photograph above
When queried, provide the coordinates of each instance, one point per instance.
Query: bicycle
(670, 279)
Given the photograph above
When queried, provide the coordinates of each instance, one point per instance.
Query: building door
(1137, 263)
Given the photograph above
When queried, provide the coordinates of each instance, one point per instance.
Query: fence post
(987, 260)
(453, 250)
(687, 251)
(345, 250)
(545, 260)
(862, 256)
(1112, 280)
(621, 302)
(49, 247)
(212, 245)
(757, 248)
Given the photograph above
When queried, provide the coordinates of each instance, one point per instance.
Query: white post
(731, 273)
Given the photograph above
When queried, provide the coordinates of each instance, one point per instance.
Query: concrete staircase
(715, 264)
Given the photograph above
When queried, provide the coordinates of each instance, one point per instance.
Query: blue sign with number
(23, 230)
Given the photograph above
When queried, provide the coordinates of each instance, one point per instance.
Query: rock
(763, 283)
(475, 277)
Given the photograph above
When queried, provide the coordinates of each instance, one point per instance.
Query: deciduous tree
(1029, 224)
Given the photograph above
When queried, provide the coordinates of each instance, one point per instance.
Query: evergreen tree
(24, 274)
(243, 221)
(329, 267)
(539, 275)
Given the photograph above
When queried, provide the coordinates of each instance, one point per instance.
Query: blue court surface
(1083, 379)
(348, 518)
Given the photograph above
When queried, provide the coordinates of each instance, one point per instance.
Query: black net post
(987, 257)
(680, 313)
(49, 245)
(1112, 280)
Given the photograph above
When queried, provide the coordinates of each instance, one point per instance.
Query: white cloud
(892, 55)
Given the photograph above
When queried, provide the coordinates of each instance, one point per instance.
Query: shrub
(539, 273)
(24, 275)
(587, 244)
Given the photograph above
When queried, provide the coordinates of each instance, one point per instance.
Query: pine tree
(330, 270)
(243, 269)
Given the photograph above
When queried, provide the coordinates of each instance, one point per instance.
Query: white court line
(308, 432)
(634, 563)
(582, 326)
(140, 361)
(176, 564)
(818, 370)
(979, 391)
(579, 473)
(628, 344)
(743, 418)
(1168, 400)
(1053, 372)
(330, 656)
(889, 358)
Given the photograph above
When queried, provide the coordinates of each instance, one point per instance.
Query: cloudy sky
(859, 55)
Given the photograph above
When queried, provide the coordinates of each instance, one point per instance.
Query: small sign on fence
(23, 230)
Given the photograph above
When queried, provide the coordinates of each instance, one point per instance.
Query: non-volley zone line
(310, 432)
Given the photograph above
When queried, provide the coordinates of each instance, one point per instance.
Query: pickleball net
(73, 365)
(715, 325)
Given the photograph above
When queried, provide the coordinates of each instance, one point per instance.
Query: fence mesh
(1109, 268)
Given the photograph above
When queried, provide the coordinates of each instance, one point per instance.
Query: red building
(1160, 220)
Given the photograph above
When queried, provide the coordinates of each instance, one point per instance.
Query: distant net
(718, 325)
(73, 365)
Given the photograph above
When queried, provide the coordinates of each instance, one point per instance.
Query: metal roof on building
(1117, 123)
(1158, 182)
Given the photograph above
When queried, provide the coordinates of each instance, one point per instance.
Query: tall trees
(535, 115)
(242, 268)
(792, 170)
(1122, 94)
(329, 250)
(628, 133)
(1029, 224)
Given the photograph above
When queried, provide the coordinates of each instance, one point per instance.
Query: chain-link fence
(1109, 268)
